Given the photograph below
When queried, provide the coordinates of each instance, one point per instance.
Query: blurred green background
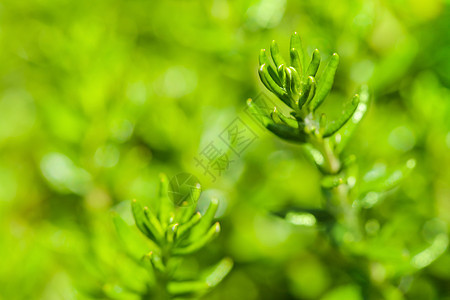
(99, 97)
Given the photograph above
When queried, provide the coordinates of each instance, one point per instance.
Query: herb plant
(174, 232)
(356, 238)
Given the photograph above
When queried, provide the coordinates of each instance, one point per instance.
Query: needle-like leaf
(295, 83)
(334, 126)
(314, 64)
(276, 56)
(153, 224)
(264, 59)
(184, 228)
(141, 220)
(296, 44)
(342, 137)
(308, 88)
(296, 60)
(205, 221)
(199, 241)
(287, 133)
(271, 85)
(325, 82)
(280, 118)
(282, 74)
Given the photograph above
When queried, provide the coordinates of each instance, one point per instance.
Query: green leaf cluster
(297, 84)
(175, 232)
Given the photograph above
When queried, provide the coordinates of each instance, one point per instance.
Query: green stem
(163, 278)
(339, 197)
(162, 292)
(332, 161)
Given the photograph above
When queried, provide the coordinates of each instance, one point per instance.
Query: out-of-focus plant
(356, 238)
(174, 232)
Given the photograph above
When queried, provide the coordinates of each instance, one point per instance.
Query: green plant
(298, 86)
(174, 232)
(356, 238)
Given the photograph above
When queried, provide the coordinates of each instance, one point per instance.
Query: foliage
(98, 98)
(175, 232)
(353, 236)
